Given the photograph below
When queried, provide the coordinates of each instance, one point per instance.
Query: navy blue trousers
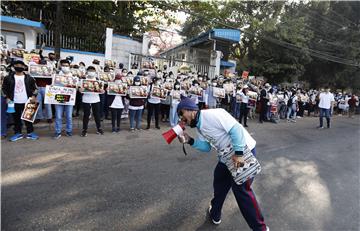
(244, 196)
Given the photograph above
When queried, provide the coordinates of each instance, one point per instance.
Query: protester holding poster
(175, 97)
(211, 99)
(136, 107)
(61, 109)
(91, 101)
(244, 105)
(116, 105)
(18, 87)
(153, 104)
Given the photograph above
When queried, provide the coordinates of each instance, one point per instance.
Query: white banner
(60, 95)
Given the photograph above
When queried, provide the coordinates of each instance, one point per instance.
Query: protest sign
(138, 92)
(159, 92)
(218, 92)
(92, 86)
(30, 111)
(65, 81)
(41, 71)
(117, 89)
(60, 95)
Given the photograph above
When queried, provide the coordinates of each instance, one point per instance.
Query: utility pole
(58, 28)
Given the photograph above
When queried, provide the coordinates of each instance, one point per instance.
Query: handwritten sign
(60, 95)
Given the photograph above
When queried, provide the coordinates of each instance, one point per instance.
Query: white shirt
(215, 125)
(20, 95)
(325, 100)
(244, 98)
(117, 103)
(90, 98)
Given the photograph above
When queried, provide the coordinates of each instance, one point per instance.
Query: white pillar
(108, 43)
(145, 44)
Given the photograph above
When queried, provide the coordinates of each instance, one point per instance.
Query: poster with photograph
(41, 71)
(117, 88)
(129, 80)
(159, 92)
(169, 85)
(245, 74)
(30, 111)
(32, 57)
(176, 94)
(65, 81)
(92, 86)
(17, 53)
(144, 81)
(229, 88)
(198, 91)
(78, 73)
(106, 76)
(60, 95)
(219, 92)
(185, 85)
(138, 92)
(204, 85)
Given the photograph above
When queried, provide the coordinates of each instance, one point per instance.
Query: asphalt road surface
(135, 181)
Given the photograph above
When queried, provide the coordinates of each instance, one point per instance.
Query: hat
(19, 62)
(137, 78)
(187, 104)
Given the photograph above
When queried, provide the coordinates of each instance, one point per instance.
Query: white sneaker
(213, 221)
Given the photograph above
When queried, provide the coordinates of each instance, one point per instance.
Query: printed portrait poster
(198, 91)
(138, 92)
(106, 76)
(159, 92)
(245, 74)
(31, 58)
(176, 94)
(60, 95)
(144, 81)
(41, 71)
(229, 87)
(92, 86)
(65, 81)
(219, 92)
(118, 88)
(30, 111)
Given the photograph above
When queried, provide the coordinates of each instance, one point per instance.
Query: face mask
(65, 69)
(92, 74)
(214, 84)
(19, 69)
(196, 85)
(200, 79)
(20, 46)
(177, 86)
(137, 83)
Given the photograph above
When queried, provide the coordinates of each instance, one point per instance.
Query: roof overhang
(37, 26)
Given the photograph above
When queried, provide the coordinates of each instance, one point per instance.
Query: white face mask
(137, 83)
(65, 69)
(91, 74)
(200, 79)
(214, 84)
(177, 87)
(196, 85)
(19, 45)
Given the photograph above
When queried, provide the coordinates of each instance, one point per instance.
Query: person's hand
(184, 138)
(33, 99)
(238, 161)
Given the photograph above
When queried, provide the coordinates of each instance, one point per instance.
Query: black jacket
(9, 86)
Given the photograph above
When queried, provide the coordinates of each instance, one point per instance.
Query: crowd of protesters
(243, 98)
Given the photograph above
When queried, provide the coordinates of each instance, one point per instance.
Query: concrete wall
(29, 33)
(79, 56)
(121, 48)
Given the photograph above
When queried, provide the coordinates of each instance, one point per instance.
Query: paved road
(134, 181)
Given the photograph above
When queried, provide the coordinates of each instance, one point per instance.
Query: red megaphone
(170, 135)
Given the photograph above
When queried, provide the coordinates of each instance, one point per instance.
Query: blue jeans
(40, 98)
(59, 110)
(237, 110)
(3, 116)
(291, 109)
(135, 114)
(326, 113)
(244, 196)
(174, 118)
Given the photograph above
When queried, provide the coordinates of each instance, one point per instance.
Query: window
(11, 37)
